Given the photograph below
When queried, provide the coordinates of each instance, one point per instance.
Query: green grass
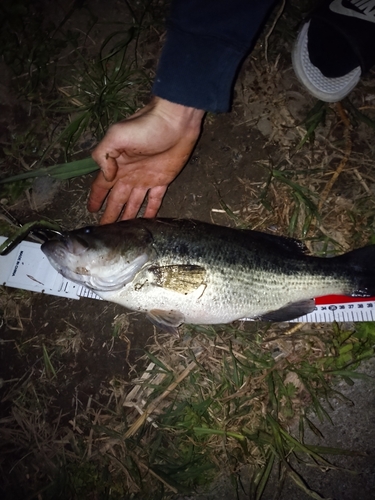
(101, 92)
(74, 92)
(233, 409)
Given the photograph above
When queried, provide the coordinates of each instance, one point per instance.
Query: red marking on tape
(340, 299)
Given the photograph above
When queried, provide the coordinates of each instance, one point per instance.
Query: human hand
(141, 156)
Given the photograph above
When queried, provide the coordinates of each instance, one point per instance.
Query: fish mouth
(61, 251)
(61, 248)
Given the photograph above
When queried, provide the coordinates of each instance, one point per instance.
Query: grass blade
(50, 371)
(62, 171)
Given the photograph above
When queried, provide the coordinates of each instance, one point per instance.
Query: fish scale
(185, 271)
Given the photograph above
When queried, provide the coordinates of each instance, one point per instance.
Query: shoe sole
(321, 87)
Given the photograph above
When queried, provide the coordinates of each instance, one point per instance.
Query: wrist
(180, 116)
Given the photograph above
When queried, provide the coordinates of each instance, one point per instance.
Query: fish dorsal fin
(292, 244)
(181, 278)
(291, 311)
(283, 242)
(168, 321)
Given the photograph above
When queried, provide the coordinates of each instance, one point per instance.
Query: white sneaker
(323, 88)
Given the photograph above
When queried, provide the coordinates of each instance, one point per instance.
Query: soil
(93, 343)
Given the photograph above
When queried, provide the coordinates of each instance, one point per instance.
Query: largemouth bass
(186, 271)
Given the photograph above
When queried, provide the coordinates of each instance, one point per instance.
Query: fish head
(103, 258)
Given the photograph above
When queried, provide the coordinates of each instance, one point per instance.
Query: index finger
(98, 192)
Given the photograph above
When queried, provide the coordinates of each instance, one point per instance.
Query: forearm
(206, 42)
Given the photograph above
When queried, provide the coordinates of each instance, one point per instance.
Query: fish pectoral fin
(291, 311)
(181, 278)
(168, 321)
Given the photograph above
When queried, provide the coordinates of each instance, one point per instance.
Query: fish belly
(223, 301)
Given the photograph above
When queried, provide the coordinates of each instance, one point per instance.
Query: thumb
(107, 164)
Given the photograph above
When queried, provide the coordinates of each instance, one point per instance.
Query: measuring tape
(341, 309)
(26, 267)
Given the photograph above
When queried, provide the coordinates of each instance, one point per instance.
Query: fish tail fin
(360, 264)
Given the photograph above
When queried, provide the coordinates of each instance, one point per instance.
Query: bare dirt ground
(224, 158)
(92, 343)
